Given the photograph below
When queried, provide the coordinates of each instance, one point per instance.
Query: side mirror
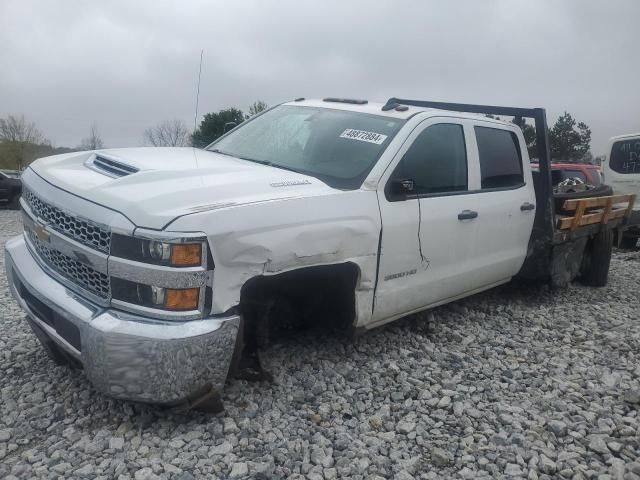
(402, 187)
(229, 126)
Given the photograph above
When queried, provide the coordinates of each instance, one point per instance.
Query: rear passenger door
(506, 204)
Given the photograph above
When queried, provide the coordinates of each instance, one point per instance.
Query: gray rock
(116, 443)
(445, 402)
(85, 471)
(183, 476)
(513, 469)
(441, 458)
(558, 427)
(632, 396)
(145, 473)
(547, 465)
(61, 468)
(230, 426)
(239, 470)
(597, 444)
(615, 447)
(403, 475)
(405, 426)
(222, 449)
(317, 456)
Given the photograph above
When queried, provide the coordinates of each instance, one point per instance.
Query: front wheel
(597, 258)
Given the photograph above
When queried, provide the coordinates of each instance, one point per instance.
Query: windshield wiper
(261, 162)
(271, 164)
(215, 150)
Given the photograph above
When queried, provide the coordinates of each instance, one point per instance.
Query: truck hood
(171, 182)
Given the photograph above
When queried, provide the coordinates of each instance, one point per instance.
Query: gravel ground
(514, 383)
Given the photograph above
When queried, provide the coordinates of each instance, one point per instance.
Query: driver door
(427, 203)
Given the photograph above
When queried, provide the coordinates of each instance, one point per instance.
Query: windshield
(338, 147)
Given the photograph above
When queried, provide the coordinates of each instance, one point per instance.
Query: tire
(628, 242)
(597, 259)
(560, 198)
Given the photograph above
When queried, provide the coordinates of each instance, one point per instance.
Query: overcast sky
(127, 65)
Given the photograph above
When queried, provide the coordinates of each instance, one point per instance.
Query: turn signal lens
(181, 298)
(186, 254)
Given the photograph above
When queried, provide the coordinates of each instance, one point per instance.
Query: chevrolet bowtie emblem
(40, 232)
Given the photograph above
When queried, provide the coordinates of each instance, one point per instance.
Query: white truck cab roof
(376, 108)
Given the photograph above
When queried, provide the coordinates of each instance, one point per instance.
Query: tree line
(21, 141)
(569, 140)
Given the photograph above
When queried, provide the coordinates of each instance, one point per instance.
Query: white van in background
(622, 172)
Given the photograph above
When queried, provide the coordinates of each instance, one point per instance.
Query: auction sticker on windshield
(363, 136)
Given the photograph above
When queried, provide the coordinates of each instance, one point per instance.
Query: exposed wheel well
(316, 297)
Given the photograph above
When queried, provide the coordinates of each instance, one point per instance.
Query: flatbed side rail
(595, 210)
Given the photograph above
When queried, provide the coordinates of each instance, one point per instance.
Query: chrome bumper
(124, 355)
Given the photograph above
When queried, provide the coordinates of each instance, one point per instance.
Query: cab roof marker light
(345, 100)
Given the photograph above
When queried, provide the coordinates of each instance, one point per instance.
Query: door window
(500, 159)
(436, 162)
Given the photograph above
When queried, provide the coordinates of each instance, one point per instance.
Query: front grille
(84, 231)
(78, 273)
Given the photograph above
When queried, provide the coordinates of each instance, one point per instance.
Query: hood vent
(111, 167)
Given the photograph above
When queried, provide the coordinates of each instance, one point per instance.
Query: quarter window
(500, 159)
(436, 161)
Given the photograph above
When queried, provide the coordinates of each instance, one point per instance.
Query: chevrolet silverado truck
(159, 270)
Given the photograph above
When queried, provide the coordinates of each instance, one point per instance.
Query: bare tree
(170, 133)
(20, 136)
(93, 141)
(256, 108)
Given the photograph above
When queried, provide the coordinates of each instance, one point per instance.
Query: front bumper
(124, 355)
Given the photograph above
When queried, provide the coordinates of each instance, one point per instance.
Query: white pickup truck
(153, 268)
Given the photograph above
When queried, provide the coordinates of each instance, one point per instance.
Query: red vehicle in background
(590, 182)
(589, 174)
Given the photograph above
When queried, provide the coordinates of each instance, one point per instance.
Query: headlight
(183, 254)
(175, 255)
(150, 271)
(157, 250)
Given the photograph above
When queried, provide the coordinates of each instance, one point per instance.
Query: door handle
(467, 215)
(526, 206)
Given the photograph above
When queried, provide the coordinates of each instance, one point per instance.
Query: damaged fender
(286, 234)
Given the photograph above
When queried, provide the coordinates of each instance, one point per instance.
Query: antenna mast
(195, 117)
